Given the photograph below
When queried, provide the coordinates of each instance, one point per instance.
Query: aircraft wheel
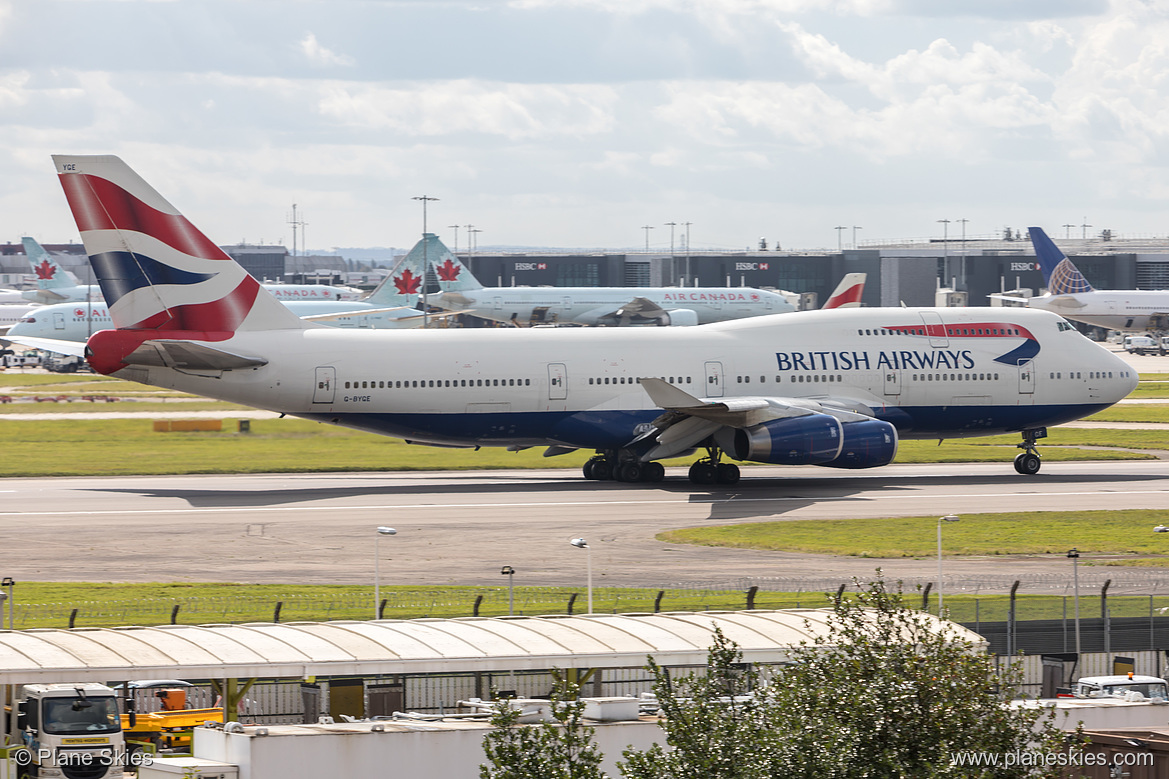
(629, 471)
(703, 473)
(728, 473)
(602, 470)
(653, 471)
(1027, 463)
(587, 470)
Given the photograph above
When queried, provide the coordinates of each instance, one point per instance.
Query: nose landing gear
(1028, 462)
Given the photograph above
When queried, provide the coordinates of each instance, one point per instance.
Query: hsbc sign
(531, 266)
(752, 266)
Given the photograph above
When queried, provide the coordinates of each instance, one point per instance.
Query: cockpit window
(1065, 325)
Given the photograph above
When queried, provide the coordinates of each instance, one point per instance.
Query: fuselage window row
(437, 383)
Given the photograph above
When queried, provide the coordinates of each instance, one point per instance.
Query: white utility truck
(71, 731)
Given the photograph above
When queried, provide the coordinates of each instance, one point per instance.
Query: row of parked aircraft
(394, 303)
(837, 388)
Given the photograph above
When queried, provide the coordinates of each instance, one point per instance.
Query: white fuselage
(591, 305)
(78, 321)
(1115, 309)
(940, 376)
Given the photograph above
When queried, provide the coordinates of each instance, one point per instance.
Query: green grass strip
(1125, 532)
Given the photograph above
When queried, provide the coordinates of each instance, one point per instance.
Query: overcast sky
(574, 123)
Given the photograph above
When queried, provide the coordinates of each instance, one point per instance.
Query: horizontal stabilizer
(75, 348)
(190, 356)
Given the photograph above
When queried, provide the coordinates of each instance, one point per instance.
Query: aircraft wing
(189, 355)
(1065, 301)
(46, 296)
(1011, 298)
(75, 348)
(638, 310)
(689, 420)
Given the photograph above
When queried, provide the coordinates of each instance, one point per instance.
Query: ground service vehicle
(1122, 686)
(69, 730)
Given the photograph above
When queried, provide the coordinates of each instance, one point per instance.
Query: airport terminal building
(909, 273)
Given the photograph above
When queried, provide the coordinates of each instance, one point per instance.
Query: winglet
(1061, 275)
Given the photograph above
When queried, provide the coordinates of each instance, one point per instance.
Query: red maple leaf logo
(78, 312)
(44, 270)
(448, 271)
(408, 283)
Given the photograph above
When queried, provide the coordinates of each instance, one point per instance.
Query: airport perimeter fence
(1118, 610)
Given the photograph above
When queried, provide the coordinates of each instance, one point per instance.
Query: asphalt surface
(461, 527)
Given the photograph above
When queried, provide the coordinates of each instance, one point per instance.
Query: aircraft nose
(1127, 374)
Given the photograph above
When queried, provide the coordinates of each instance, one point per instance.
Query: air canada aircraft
(610, 306)
(54, 284)
(835, 388)
(1070, 295)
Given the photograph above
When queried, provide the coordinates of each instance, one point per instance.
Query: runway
(461, 527)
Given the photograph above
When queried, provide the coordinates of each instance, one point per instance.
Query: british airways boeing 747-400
(836, 388)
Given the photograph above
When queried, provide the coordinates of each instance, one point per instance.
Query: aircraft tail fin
(49, 273)
(848, 292)
(1061, 275)
(157, 271)
(453, 275)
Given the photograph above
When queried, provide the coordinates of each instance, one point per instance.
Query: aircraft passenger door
(557, 381)
(1026, 378)
(892, 382)
(58, 320)
(714, 380)
(935, 329)
(498, 303)
(326, 379)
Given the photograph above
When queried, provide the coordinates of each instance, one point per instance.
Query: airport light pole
(962, 261)
(580, 543)
(671, 226)
(947, 518)
(1067, 231)
(854, 229)
(509, 572)
(687, 226)
(839, 232)
(425, 263)
(1074, 556)
(377, 594)
(456, 229)
(945, 249)
(647, 228)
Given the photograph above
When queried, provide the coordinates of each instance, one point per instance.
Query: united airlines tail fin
(156, 270)
(1062, 277)
(848, 292)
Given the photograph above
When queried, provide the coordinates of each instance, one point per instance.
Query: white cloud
(319, 55)
(514, 111)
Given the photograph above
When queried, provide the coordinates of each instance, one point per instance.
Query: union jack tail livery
(1062, 277)
(156, 270)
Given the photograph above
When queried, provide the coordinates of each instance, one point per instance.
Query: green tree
(881, 693)
(561, 749)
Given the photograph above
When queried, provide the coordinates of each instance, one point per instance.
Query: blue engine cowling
(814, 439)
(868, 443)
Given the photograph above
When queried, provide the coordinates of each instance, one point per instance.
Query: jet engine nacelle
(681, 317)
(815, 439)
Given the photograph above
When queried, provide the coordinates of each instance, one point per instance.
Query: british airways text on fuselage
(867, 361)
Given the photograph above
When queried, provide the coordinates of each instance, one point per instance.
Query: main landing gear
(607, 466)
(1028, 462)
(708, 470)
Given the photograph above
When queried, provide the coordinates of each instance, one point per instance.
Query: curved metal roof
(303, 649)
